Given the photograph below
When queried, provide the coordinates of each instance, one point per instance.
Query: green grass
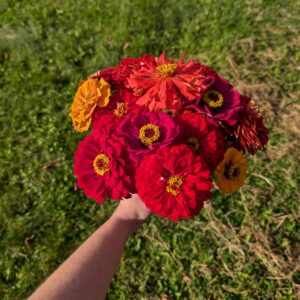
(243, 246)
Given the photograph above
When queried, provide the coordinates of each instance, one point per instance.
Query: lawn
(242, 246)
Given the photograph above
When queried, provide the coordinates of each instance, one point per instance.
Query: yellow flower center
(166, 70)
(149, 134)
(173, 185)
(101, 164)
(193, 141)
(231, 171)
(121, 110)
(213, 98)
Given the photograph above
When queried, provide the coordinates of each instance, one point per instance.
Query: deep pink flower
(167, 84)
(145, 132)
(221, 102)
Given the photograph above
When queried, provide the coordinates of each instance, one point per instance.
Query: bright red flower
(101, 168)
(166, 84)
(173, 182)
(106, 119)
(206, 139)
(251, 133)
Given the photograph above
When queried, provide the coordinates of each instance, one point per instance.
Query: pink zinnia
(166, 84)
(145, 132)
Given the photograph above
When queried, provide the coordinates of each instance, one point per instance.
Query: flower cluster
(166, 130)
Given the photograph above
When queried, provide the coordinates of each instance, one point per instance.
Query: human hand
(132, 209)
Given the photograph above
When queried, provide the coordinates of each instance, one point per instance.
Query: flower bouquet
(165, 129)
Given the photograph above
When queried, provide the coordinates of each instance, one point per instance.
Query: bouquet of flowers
(165, 129)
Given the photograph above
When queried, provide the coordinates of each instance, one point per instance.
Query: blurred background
(242, 246)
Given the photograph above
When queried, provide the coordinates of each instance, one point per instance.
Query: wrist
(126, 225)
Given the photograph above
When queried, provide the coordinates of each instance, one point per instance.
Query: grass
(243, 246)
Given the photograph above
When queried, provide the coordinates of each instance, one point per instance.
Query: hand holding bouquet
(165, 130)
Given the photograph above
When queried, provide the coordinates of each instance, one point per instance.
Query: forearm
(87, 273)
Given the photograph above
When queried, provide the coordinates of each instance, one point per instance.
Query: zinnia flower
(206, 139)
(145, 131)
(106, 119)
(126, 66)
(221, 102)
(166, 84)
(173, 182)
(251, 133)
(118, 75)
(231, 172)
(106, 74)
(101, 168)
(90, 94)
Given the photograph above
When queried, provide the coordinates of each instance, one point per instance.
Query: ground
(242, 246)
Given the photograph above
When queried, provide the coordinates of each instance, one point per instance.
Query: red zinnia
(206, 138)
(165, 84)
(106, 119)
(123, 70)
(173, 182)
(251, 133)
(100, 167)
(106, 74)
(118, 75)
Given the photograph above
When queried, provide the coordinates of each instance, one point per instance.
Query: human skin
(88, 272)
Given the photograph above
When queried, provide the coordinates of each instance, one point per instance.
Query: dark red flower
(251, 133)
(101, 168)
(106, 74)
(166, 84)
(118, 75)
(106, 119)
(173, 182)
(206, 139)
(124, 69)
(145, 132)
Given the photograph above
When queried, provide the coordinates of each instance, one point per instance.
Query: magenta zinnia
(221, 103)
(145, 132)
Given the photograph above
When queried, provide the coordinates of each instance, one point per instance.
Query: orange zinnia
(231, 172)
(90, 94)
